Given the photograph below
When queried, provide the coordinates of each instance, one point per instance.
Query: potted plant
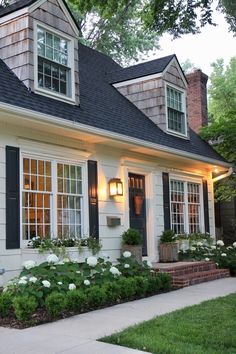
(183, 242)
(168, 248)
(132, 242)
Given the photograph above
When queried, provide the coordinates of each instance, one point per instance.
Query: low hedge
(77, 301)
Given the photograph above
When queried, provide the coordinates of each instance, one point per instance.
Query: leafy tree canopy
(222, 113)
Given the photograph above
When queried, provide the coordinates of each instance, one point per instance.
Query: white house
(71, 119)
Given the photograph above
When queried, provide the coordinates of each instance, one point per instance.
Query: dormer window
(54, 64)
(176, 111)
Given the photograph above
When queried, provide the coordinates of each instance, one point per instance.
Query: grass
(208, 328)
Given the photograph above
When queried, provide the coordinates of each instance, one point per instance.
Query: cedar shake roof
(101, 105)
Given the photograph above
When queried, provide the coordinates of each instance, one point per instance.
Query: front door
(137, 206)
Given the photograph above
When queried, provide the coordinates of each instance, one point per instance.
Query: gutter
(30, 114)
(224, 175)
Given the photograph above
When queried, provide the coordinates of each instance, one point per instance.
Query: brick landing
(191, 273)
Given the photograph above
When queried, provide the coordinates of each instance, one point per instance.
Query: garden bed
(59, 289)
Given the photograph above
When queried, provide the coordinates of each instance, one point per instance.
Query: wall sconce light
(115, 187)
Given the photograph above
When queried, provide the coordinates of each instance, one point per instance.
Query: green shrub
(75, 301)
(165, 281)
(96, 296)
(112, 291)
(154, 284)
(127, 288)
(5, 304)
(167, 236)
(131, 237)
(24, 307)
(141, 286)
(55, 303)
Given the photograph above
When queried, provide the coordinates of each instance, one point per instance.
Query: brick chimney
(197, 99)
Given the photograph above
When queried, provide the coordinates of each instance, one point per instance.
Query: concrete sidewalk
(78, 334)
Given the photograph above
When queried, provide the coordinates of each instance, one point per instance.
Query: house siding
(17, 41)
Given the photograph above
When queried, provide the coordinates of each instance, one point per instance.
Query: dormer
(39, 43)
(159, 89)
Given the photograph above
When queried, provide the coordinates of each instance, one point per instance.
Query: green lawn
(208, 328)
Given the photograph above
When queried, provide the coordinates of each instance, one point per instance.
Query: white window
(54, 60)
(185, 207)
(52, 199)
(176, 117)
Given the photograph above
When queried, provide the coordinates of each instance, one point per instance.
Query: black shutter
(166, 200)
(93, 199)
(12, 198)
(206, 207)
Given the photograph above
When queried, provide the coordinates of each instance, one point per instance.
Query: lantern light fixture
(115, 187)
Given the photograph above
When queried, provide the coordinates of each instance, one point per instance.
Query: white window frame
(187, 180)
(54, 159)
(183, 96)
(71, 64)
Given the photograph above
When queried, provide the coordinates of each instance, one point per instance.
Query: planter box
(136, 251)
(168, 252)
(73, 254)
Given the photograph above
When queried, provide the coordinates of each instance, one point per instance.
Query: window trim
(183, 95)
(186, 180)
(54, 159)
(71, 64)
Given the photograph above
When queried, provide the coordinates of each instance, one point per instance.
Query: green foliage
(222, 130)
(168, 236)
(112, 291)
(131, 237)
(76, 301)
(141, 285)
(55, 303)
(24, 307)
(96, 296)
(5, 304)
(164, 281)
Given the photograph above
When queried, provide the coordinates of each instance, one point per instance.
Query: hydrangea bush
(94, 283)
(223, 256)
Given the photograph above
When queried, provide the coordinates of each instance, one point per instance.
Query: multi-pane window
(185, 207)
(69, 204)
(175, 110)
(51, 199)
(194, 208)
(177, 206)
(54, 72)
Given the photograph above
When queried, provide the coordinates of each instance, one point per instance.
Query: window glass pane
(36, 202)
(177, 206)
(176, 116)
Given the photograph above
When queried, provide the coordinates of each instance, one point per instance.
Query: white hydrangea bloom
(115, 271)
(92, 261)
(66, 260)
(193, 248)
(149, 264)
(72, 286)
(234, 244)
(207, 259)
(59, 282)
(127, 254)
(22, 282)
(223, 255)
(126, 265)
(86, 282)
(220, 243)
(33, 279)
(52, 259)
(29, 264)
(213, 247)
(46, 283)
(199, 243)
(5, 289)
(24, 278)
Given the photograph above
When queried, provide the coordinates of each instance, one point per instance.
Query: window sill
(70, 100)
(176, 134)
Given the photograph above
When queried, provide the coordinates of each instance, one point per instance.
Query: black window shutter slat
(166, 200)
(206, 207)
(93, 198)
(12, 198)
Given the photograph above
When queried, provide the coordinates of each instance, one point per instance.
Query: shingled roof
(143, 69)
(101, 105)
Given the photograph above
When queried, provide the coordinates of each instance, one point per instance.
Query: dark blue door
(137, 206)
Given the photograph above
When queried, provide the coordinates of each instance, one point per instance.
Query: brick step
(191, 267)
(181, 281)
